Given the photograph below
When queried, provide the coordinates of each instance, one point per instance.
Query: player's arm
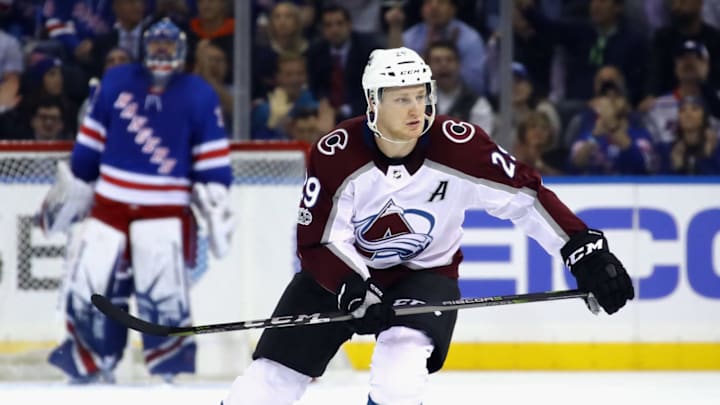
(325, 234)
(94, 127)
(211, 171)
(325, 240)
(512, 190)
(70, 197)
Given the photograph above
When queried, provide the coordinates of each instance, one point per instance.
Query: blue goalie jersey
(147, 148)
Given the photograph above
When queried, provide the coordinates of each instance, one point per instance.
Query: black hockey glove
(363, 299)
(597, 270)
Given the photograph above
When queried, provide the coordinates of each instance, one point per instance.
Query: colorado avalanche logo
(394, 234)
(337, 139)
(458, 131)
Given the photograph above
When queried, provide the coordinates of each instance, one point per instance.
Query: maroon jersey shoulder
(467, 148)
(338, 154)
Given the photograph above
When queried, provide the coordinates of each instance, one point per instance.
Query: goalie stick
(123, 317)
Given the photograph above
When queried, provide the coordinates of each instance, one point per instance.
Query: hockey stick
(123, 317)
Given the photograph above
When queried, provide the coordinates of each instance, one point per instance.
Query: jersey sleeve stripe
(212, 154)
(213, 163)
(89, 133)
(217, 144)
(91, 143)
(94, 126)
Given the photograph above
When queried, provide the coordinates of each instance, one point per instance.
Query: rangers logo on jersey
(394, 234)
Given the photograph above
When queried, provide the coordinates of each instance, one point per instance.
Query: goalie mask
(397, 67)
(164, 46)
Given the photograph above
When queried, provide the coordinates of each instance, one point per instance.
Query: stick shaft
(132, 322)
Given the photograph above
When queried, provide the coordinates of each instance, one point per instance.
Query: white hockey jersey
(385, 218)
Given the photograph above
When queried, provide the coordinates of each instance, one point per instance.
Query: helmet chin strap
(379, 135)
(372, 117)
(427, 121)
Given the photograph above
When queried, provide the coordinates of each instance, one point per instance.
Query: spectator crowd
(599, 86)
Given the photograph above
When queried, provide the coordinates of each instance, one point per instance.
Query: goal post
(268, 178)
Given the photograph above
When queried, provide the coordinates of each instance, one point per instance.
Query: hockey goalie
(152, 144)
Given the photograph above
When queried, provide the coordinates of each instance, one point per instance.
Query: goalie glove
(69, 200)
(597, 270)
(213, 202)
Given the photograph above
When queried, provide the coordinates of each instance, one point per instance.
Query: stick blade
(117, 314)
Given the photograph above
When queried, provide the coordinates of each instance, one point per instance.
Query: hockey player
(380, 223)
(152, 142)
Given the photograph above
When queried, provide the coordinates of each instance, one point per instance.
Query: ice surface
(446, 388)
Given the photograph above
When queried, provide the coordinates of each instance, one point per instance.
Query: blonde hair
(536, 119)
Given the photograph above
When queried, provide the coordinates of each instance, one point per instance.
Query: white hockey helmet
(396, 67)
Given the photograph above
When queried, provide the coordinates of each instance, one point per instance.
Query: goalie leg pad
(161, 291)
(398, 371)
(92, 258)
(267, 382)
(94, 264)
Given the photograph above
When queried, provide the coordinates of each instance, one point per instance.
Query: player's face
(402, 112)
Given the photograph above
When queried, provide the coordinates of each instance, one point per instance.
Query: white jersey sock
(266, 382)
(398, 372)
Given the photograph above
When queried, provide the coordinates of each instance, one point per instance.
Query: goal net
(243, 285)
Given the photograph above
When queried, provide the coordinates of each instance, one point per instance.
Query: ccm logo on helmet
(584, 251)
(410, 72)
